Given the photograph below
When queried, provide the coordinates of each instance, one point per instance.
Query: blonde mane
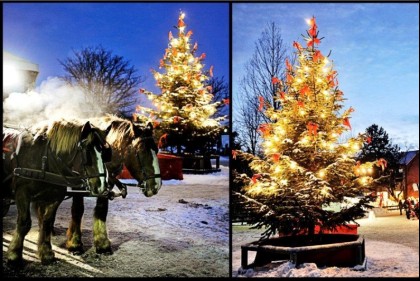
(63, 135)
(121, 133)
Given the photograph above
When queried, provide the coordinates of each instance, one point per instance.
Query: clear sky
(375, 49)
(42, 33)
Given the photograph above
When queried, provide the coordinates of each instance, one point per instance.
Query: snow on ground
(391, 244)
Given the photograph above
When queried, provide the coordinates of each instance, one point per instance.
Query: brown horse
(39, 165)
(133, 146)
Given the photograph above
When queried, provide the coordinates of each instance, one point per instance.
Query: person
(416, 209)
(400, 205)
(407, 208)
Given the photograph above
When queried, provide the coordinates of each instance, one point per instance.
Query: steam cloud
(52, 100)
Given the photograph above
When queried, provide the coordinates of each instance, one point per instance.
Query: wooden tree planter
(200, 164)
(340, 250)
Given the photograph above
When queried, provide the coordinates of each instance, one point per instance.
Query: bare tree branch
(108, 81)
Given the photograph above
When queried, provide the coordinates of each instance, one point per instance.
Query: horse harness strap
(74, 181)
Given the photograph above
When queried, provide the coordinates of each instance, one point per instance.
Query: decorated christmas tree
(185, 106)
(307, 177)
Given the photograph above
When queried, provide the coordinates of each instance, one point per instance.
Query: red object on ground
(170, 168)
(125, 174)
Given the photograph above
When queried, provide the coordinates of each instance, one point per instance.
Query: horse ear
(137, 131)
(87, 128)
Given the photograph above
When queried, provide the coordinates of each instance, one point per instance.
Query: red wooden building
(409, 167)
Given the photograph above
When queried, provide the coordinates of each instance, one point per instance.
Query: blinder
(103, 147)
(86, 158)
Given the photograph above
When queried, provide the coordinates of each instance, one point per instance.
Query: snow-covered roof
(408, 157)
(18, 62)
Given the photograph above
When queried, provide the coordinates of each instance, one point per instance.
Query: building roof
(18, 62)
(408, 157)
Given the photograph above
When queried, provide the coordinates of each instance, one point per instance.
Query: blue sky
(375, 49)
(45, 32)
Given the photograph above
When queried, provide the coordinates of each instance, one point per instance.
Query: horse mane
(9, 133)
(63, 135)
(121, 132)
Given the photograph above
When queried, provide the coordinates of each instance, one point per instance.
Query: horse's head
(95, 152)
(142, 161)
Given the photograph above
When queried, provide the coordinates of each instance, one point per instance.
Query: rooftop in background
(408, 157)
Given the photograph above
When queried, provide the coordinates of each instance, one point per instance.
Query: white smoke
(52, 100)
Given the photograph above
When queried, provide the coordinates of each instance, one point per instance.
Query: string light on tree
(311, 169)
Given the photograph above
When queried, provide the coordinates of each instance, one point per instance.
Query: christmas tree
(185, 106)
(305, 169)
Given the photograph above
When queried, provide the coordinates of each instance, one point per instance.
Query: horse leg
(74, 232)
(46, 214)
(23, 225)
(100, 235)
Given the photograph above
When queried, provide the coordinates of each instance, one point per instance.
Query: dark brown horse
(39, 165)
(133, 146)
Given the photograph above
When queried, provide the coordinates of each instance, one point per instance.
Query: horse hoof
(17, 263)
(48, 261)
(107, 251)
(77, 251)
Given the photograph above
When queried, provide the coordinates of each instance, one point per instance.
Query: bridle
(143, 172)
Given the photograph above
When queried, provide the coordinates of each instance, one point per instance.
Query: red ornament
(312, 29)
(346, 122)
(288, 65)
(189, 33)
(382, 163)
(264, 129)
(369, 139)
(317, 56)
(226, 101)
(261, 100)
(203, 56)
(313, 41)
(255, 177)
(312, 128)
(300, 104)
(234, 152)
(276, 157)
(211, 71)
(141, 91)
(289, 78)
(282, 95)
(181, 23)
(305, 90)
(297, 46)
(176, 119)
(275, 80)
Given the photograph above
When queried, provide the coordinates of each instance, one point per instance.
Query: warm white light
(11, 76)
